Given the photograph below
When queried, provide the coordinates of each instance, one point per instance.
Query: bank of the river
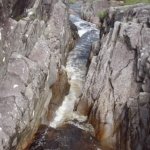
(61, 134)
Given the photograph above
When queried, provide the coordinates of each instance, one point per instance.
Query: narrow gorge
(74, 75)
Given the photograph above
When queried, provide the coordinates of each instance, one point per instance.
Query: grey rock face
(116, 94)
(93, 10)
(33, 49)
(137, 13)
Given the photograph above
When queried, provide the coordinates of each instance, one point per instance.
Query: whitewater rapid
(76, 68)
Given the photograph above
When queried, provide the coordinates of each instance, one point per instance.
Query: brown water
(62, 136)
(67, 137)
(76, 68)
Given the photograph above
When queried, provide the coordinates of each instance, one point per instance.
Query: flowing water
(76, 69)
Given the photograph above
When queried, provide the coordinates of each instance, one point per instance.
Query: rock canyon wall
(35, 39)
(116, 95)
(110, 86)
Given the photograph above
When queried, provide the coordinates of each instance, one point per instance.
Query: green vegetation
(102, 14)
(72, 1)
(128, 2)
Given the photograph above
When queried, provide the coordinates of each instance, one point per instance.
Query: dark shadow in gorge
(67, 137)
(18, 10)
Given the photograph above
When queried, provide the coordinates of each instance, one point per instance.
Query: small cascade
(76, 68)
(75, 134)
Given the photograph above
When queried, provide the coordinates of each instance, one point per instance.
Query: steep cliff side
(35, 38)
(116, 95)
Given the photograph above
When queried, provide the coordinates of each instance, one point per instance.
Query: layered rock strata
(116, 95)
(35, 38)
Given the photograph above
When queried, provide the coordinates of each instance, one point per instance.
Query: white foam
(65, 111)
(77, 77)
(83, 26)
(12, 27)
(82, 31)
(0, 36)
(15, 86)
(4, 59)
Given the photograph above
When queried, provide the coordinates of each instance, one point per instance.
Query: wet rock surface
(112, 94)
(67, 137)
(76, 67)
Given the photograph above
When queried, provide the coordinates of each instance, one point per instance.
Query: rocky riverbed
(71, 78)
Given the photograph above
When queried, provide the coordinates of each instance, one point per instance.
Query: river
(76, 67)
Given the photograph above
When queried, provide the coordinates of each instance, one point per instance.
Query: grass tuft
(102, 14)
(72, 1)
(129, 2)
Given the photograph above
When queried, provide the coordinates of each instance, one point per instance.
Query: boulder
(65, 138)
